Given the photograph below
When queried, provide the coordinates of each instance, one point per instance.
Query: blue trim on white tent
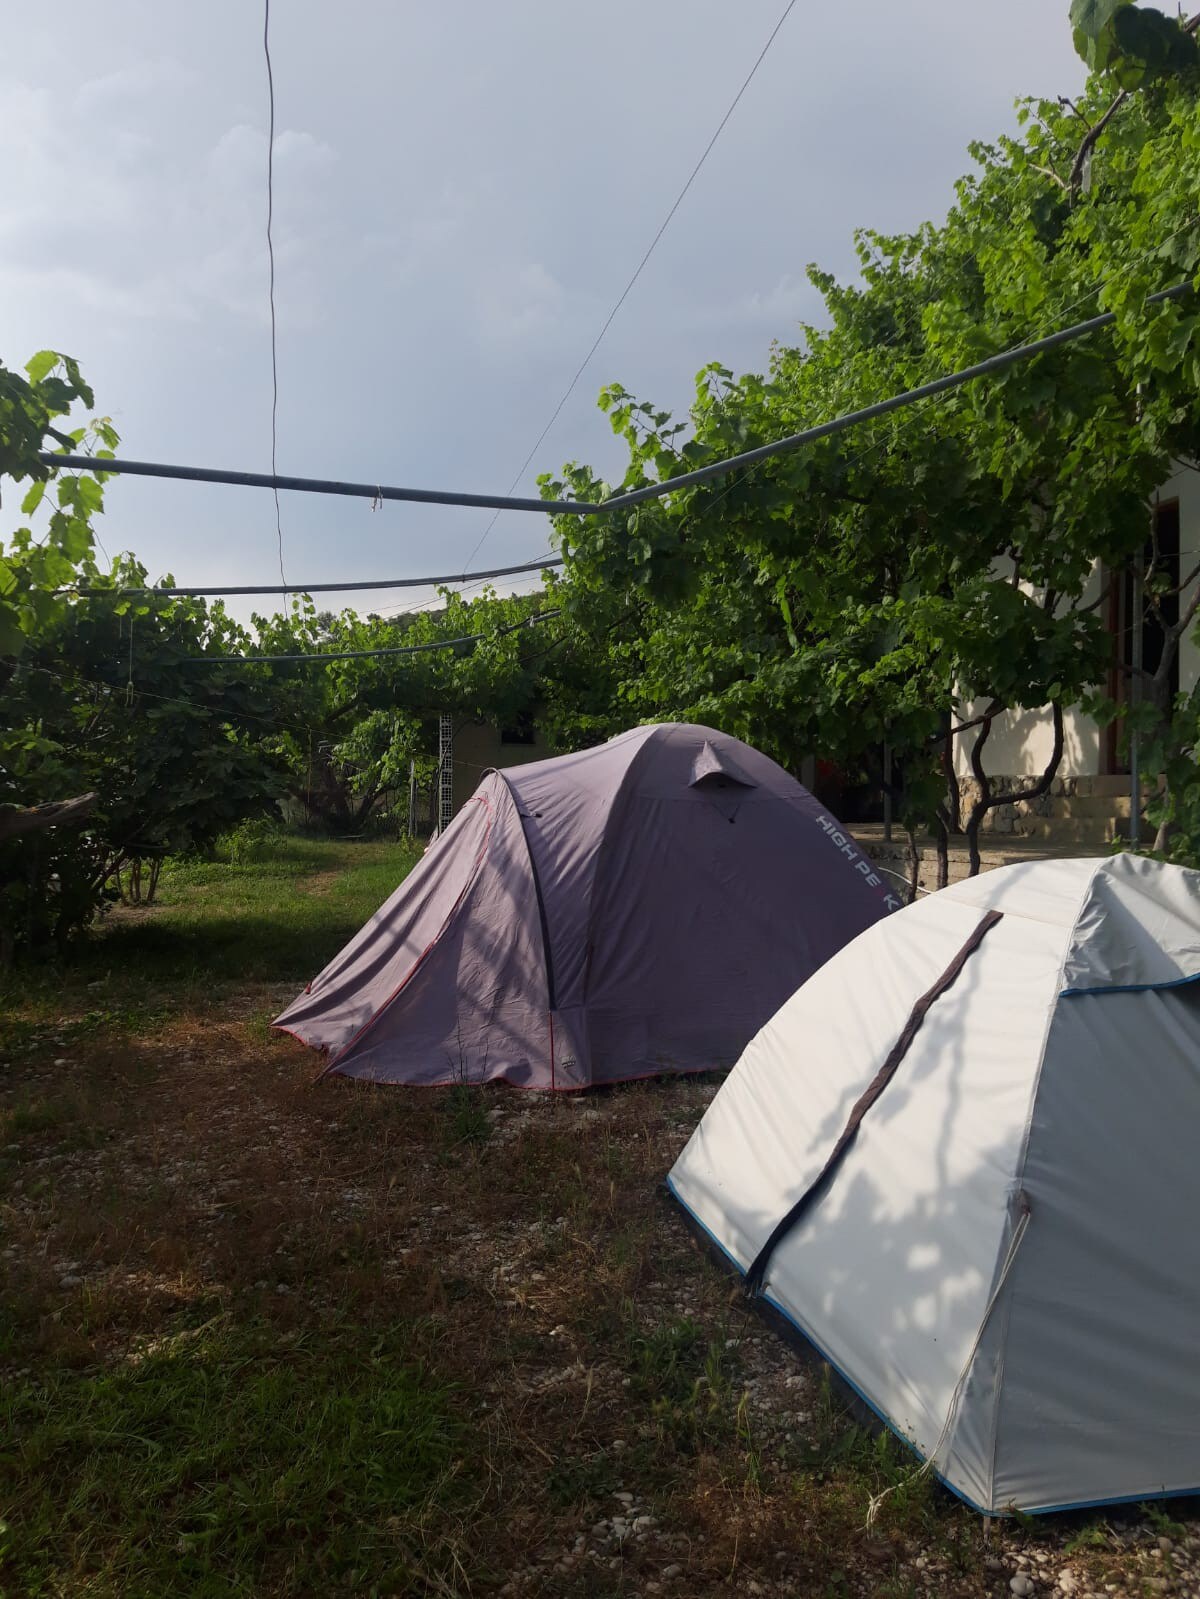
(809, 1339)
(1045, 1510)
(1128, 988)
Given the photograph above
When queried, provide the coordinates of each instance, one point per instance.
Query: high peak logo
(858, 860)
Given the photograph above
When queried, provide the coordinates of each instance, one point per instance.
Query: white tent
(1003, 1256)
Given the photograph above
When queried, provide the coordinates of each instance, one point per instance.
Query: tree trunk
(914, 864)
(953, 796)
(986, 800)
(943, 851)
(35, 817)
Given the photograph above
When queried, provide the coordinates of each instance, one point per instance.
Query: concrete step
(1088, 805)
(1060, 831)
(994, 851)
(1112, 785)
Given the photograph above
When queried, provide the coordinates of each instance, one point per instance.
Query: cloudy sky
(461, 192)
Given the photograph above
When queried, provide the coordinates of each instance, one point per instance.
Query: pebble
(1068, 1582)
(70, 1281)
(1021, 1585)
(625, 1498)
(1166, 1545)
(672, 1571)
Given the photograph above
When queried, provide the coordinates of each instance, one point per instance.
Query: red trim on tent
(476, 799)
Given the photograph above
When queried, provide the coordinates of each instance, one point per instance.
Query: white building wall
(1021, 742)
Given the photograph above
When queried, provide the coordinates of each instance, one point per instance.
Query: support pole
(887, 793)
(445, 773)
(1135, 695)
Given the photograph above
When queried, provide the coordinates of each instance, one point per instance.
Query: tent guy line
(617, 502)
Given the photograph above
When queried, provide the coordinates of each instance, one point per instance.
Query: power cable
(166, 699)
(624, 295)
(362, 655)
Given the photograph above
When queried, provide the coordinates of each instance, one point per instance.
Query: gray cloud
(460, 193)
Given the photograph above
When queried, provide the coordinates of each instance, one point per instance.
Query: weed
(582, 1479)
(29, 1117)
(250, 842)
(684, 1374)
(467, 1119)
(1162, 1521)
(1096, 1535)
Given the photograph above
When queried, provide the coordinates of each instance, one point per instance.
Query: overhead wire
(271, 272)
(625, 292)
(362, 655)
(167, 699)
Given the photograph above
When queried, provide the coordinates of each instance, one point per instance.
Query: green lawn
(217, 925)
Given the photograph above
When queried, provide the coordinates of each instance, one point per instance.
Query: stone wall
(1095, 805)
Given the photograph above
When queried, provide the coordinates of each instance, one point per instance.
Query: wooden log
(32, 818)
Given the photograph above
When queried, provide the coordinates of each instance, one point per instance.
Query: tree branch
(988, 801)
(1090, 140)
(36, 817)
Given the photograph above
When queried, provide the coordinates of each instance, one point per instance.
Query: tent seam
(547, 958)
(1019, 1181)
(432, 944)
(657, 730)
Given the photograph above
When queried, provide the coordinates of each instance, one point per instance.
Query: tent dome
(962, 1160)
(637, 908)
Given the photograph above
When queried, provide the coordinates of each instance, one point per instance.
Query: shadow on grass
(244, 948)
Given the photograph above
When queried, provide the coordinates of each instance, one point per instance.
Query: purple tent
(638, 908)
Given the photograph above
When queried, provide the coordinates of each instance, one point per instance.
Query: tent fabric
(637, 908)
(1005, 1264)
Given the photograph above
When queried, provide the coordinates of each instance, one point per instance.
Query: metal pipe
(994, 363)
(313, 485)
(1135, 694)
(887, 793)
(617, 502)
(323, 588)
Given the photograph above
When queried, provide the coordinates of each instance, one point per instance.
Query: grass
(203, 1467)
(215, 927)
(261, 1335)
